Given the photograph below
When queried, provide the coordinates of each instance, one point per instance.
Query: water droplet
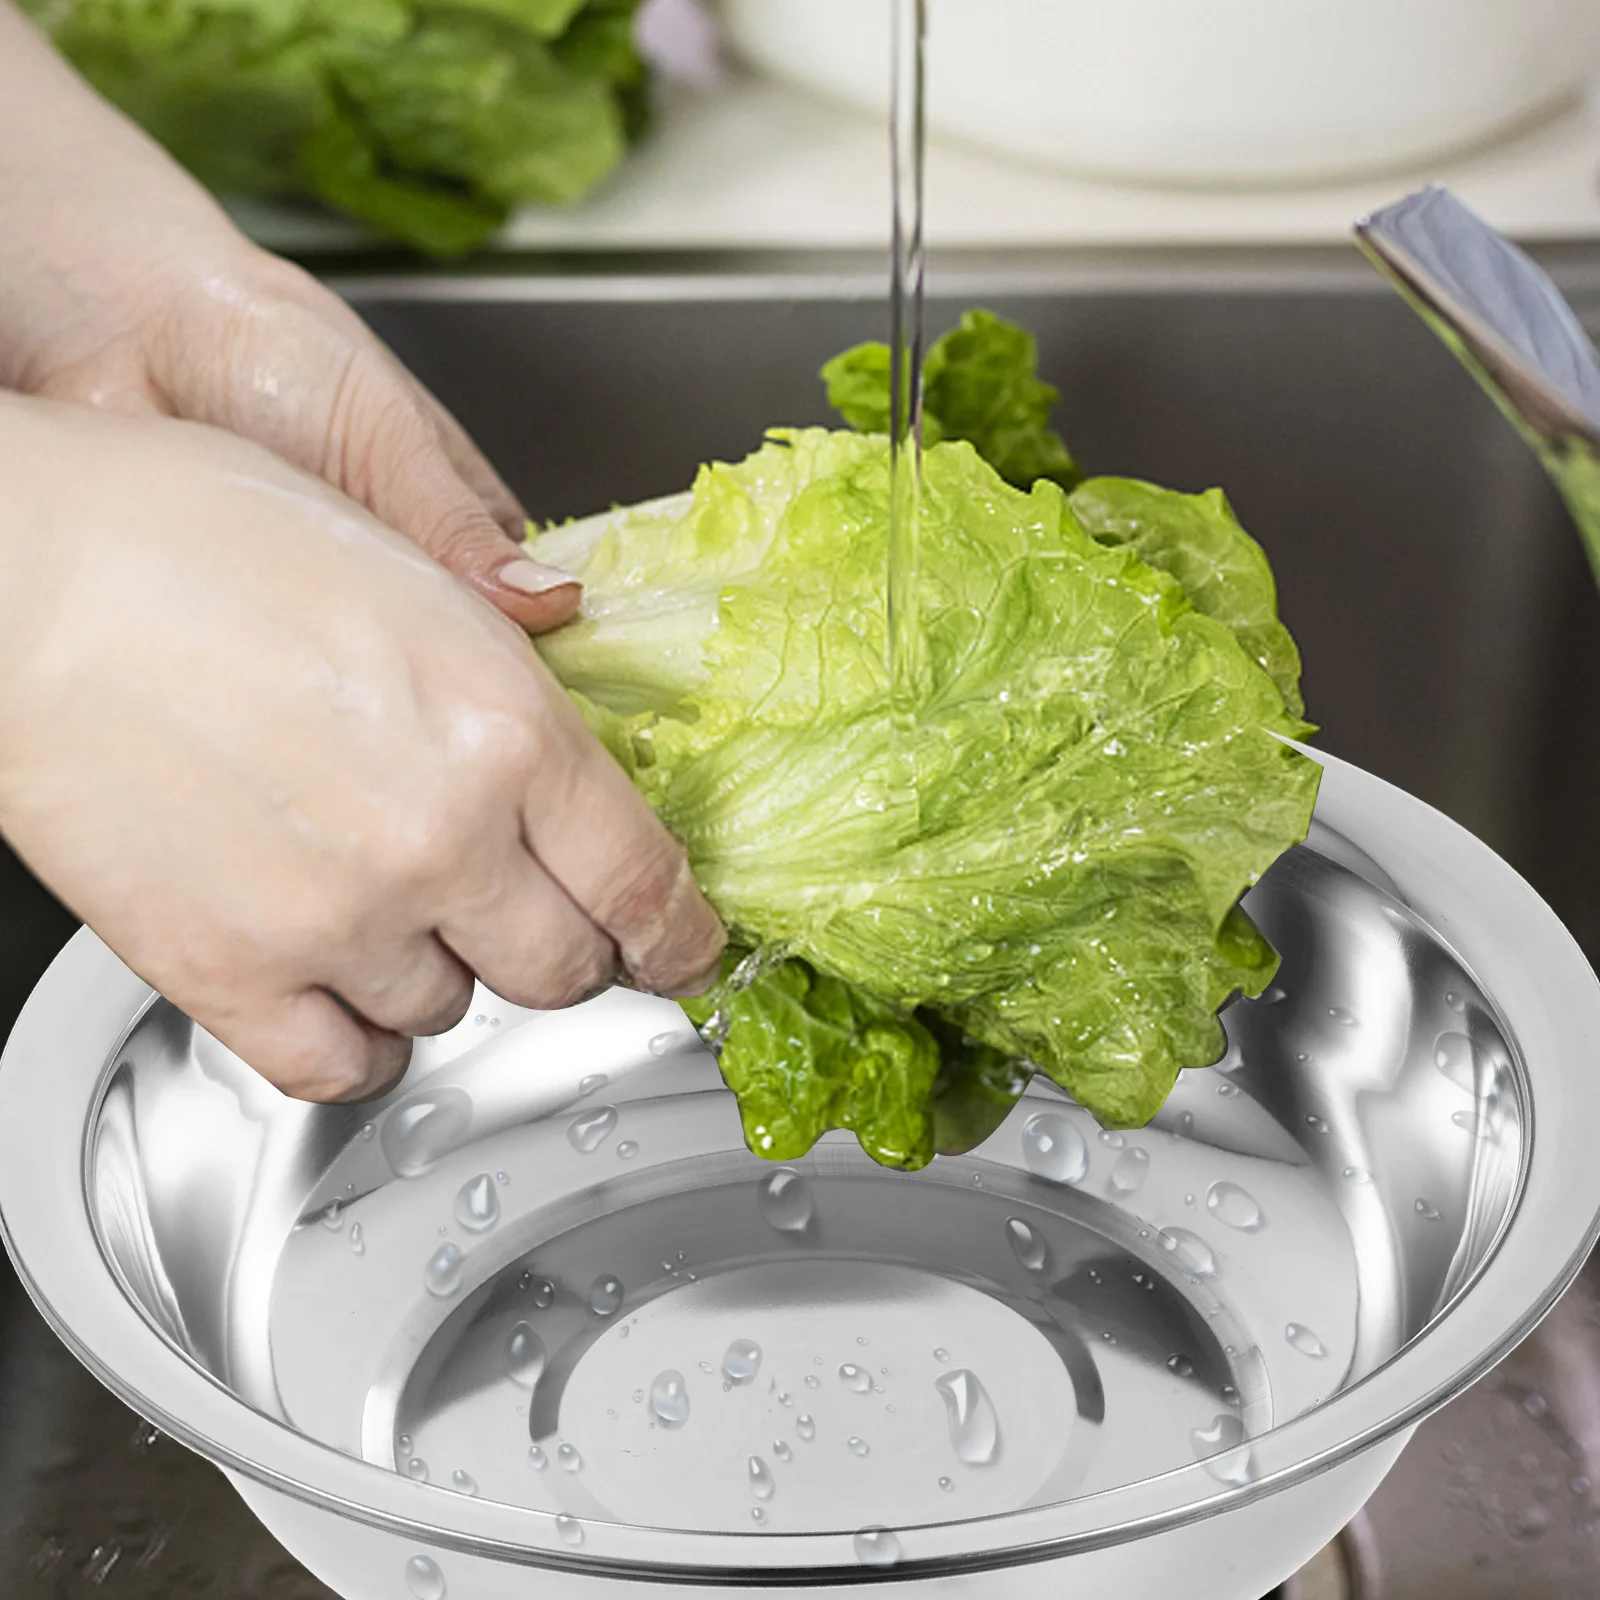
(1227, 1090)
(477, 1205)
(358, 1240)
(784, 1399)
(877, 1547)
(1112, 1139)
(537, 1459)
(1536, 1406)
(805, 1427)
(333, 1215)
(742, 1361)
(627, 1150)
(1184, 1127)
(1305, 1341)
(403, 1444)
(542, 1290)
(757, 1514)
(463, 1482)
(974, 1427)
(1427, 1210)
(1344, 1018)
(368, 1129)
(1453, 1056)
(569, 1458)
(590, 1129)
(856, 1379)
(502, 1178)
(424, 1579)
(1230, 1395)
(569, 1530)
(605, 1295)
(1180, 1366)
(1271, 995)
(442, 1275)
(1454, 1001)
(669, 1399)
(1357, 1175)
(977, 1180)
(1129, 1170)
(1316, 1124)
(588, 1085)
(1221, 1446)
(1480, 1127)
(1189, 1250)
(858, 1446)
(782, 1450)
(1054, 1149)
(525, 1355)
(1109, 1336)
(663, 1042)
(417, 1134)
(948, 1485)
(417, 1468)
(761, 1484)
(1236, 1207)
(785, 1201)
(1026, 1245)
(941, 1354)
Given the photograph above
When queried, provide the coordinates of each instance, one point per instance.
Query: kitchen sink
(1451, 637)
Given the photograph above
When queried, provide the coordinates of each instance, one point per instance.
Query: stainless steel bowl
(497, 1331)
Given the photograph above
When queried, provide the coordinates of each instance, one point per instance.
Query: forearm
(89, 204)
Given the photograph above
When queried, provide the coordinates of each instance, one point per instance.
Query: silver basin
(432, 1341)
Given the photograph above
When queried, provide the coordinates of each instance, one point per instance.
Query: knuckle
(571, 973)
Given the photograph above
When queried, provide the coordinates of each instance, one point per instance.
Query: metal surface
(1233, 1315)
(1448, 627)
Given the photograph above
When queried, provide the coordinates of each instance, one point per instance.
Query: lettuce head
(1041, 870)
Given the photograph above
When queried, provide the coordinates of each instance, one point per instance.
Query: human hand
(300, 779)
(123, 285)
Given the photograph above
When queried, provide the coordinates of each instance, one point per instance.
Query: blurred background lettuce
(428, 120)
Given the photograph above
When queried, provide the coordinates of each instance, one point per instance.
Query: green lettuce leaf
(426, 119)
(979, 383)
(1197, 539)
(1098, 778)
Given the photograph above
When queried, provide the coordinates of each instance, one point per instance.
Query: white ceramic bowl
(1200, 91)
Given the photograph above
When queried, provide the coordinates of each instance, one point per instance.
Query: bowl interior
(545, 1271)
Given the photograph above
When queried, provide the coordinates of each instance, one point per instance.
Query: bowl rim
(57, 1061)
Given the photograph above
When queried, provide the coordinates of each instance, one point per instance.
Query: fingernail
(533, 577)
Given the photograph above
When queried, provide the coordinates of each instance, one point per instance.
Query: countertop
(752, 164)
